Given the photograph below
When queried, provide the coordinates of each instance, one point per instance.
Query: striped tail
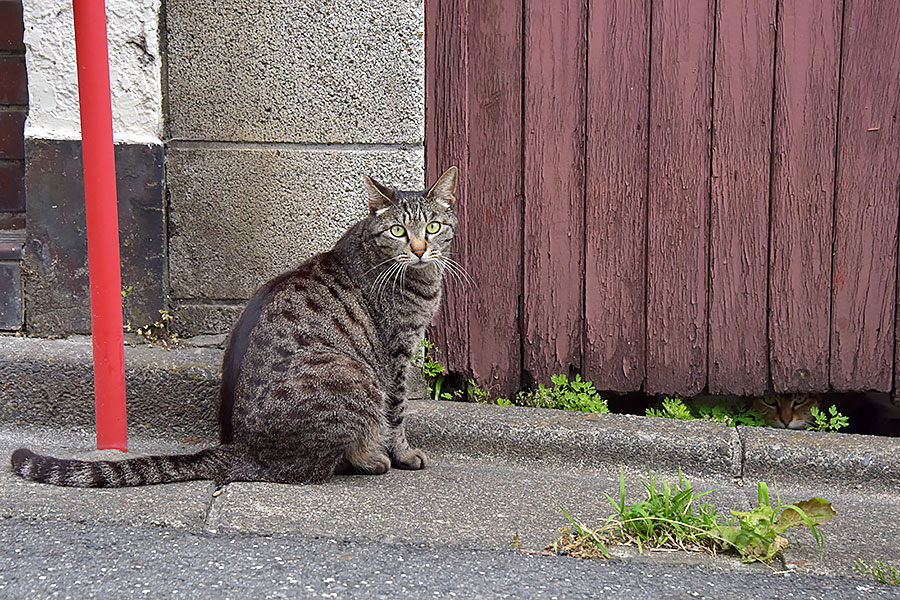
(212, 463)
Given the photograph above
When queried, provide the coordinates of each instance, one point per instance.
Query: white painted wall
(135, 70)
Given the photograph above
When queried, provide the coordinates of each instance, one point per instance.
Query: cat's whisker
(391, 278)
(460, 268)
(446, 270)
(385, 261)
(456, 270)
(380, 283)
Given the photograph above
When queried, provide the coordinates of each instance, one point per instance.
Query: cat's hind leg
(324, 415)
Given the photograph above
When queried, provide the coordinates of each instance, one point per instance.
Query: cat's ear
(380, 196)
(444, 189)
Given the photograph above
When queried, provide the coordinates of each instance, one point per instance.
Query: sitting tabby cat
(314, 375)
(787, 411)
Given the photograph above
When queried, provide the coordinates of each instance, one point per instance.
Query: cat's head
(787, 411)
(413, 229)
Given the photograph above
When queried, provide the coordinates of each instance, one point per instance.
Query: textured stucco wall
(135, 67)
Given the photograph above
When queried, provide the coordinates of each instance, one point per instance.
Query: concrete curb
(49, 382)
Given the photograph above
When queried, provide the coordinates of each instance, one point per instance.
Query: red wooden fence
(671, 196)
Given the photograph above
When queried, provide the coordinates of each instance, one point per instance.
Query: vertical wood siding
(868, 171)
(554, 44)
(739, 208)
(618, 84)
(495, 194)
(447, 125)
(678, 209)
(671, 196)
(806, 83)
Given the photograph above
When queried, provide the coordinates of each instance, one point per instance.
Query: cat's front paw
(412, 459)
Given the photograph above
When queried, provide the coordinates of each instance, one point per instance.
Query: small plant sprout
(675, 408)
(881, 571)
(755, 534)
(830, 421)
(575, 394)
(160, 332)
(433, 370)
(478, 394)
(671, 517)
(672, 408)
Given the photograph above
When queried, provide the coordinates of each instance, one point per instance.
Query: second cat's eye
(433, 227)
(398, 231)
(770, 402)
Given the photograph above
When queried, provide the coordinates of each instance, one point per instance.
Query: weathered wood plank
(554, 40)
(866, 199)
(446, 144)
(802, 210)
(678, 200)
(616, 194)
(494, 200)
(739, 208)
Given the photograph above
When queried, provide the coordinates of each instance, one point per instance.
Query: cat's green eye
(433, 227)
(398, 231)
(770, 402)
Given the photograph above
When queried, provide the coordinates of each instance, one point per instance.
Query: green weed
(831, 421)
(755, 534)
(672, 408)
(883, 572)
(479, 394)
(675, 408)
(671, 517)
(566, 394)
(433, 369)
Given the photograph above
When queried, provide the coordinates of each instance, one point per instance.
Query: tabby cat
(315, 373)
(787, 411)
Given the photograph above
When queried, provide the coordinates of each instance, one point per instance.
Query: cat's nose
(418, 251)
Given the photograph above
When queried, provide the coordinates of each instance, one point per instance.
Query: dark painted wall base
(57, 294)
(12, 303)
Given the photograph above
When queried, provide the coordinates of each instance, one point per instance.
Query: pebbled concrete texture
(170, 505)
(174, 392)
(51, 382)
(802, 457)
(307, 72)
(455, 502)
(530, 436)
(239, 216)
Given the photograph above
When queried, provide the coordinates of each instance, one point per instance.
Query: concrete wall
(267, 114)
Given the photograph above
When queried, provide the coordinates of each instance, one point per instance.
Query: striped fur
(314, 375)
(146, 470)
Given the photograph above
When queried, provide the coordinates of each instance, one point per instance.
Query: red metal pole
(102, 222)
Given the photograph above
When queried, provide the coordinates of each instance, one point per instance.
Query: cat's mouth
(421, 263)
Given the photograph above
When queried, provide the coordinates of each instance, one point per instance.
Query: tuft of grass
(881, 571)
(671, 517)
(830, 421)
